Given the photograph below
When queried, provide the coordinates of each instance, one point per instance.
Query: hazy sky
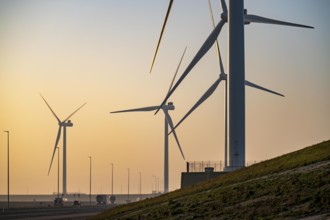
(100, 52)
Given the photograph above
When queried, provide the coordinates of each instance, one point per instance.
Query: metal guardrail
(218, 166)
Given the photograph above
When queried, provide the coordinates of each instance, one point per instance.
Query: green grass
(291, 186)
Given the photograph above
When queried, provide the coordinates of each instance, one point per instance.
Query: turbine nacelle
(245, 13)
(169, 106)
(66, 123)
(224, 16)
(223, 76)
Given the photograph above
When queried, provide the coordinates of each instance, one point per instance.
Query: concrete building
(200, 171)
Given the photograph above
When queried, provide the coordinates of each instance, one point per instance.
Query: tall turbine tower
(236, 84)
(65, 123)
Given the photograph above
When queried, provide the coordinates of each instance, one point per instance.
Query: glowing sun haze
(100, 52)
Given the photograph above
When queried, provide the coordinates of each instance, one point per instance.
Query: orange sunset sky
(100, 52)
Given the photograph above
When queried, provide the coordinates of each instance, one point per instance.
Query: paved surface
(52, 213)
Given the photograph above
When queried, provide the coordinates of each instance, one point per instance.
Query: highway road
(52, 213)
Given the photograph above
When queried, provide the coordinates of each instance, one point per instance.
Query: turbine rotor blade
(202, 51)
(224, 6)
(161, 33)
(177, 69)
(259, 19)
(247, 83)
(50, 108)
(216, 42)
(170, 122)
(56, 143)
(205, 96)
(144, 109)
(74, 112)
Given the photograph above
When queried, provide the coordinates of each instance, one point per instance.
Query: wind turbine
(210, 91)
(65, 123)
(237, 17)
(168, 122)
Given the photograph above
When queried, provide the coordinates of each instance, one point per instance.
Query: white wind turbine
(168, 122)
(238, 17)
(65, 123)
(209, 92)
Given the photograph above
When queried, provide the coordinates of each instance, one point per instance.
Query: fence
(218, 166)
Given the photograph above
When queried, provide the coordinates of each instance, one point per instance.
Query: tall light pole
(112, 179)
(128, 187)
(7, 167)
(58, 172)
(155, 182)
(90, 180)
(140, 187)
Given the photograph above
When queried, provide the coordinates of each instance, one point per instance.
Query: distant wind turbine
(65, 123)
(168, 122)
(209, 92)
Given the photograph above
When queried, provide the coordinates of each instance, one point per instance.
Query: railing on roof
(218, 166)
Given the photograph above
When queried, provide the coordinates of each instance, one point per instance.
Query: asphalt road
(52, 213)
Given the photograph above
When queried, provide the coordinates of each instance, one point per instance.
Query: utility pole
(155, 182)
(7, 167)
(140, 187)
(90, 180)
(111, 178)
(58, 172)
(128, 187)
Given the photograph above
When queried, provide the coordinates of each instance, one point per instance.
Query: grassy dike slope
(292, 186)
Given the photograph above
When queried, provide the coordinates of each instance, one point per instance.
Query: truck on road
(101, 199)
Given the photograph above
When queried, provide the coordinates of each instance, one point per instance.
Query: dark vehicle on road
(101, 199)
(112, 199)
(58, 202)
(76, 203)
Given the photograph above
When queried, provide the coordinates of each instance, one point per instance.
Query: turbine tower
(168, 123)
(65, 123)
(237, 16)
(236, 84)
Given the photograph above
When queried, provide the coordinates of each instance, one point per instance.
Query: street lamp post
(155, 182)
(7, 167)
(128, 187)
(90, 180)
(58, 172)
(112, 197)
(111, 178)
(140, 187)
